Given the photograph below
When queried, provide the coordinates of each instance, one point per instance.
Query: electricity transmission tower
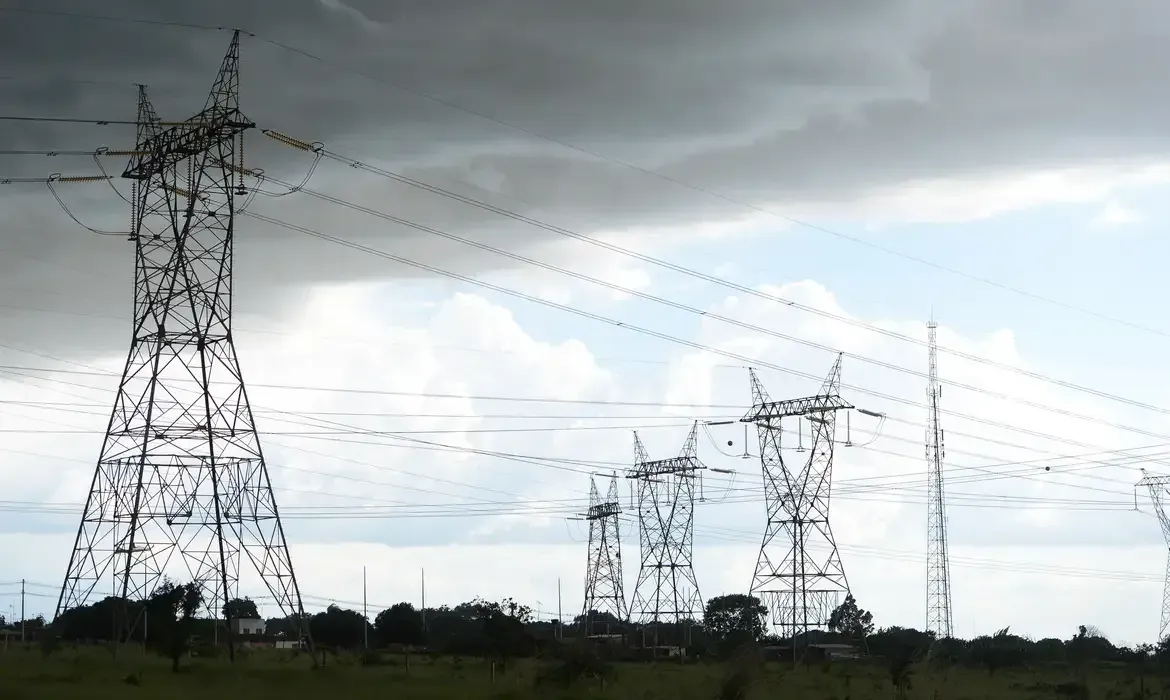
(181, 487)
(603, 573)
(938, 564)
(667, 590)
(798, 576)
(1157, 486)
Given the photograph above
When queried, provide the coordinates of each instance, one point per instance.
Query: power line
(521, 458)
(706, 314)
(652, 173)
(697, 311)
(646, 331)
(709, 278)
(1150, 458)
(717, 195)
(113, 18)
(524, 459)
(657, 404)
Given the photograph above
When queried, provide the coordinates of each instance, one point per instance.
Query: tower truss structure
(1158, 486)
(181, 489)
(667, 590)
(798, 575)
(604, 590)
(938, 565)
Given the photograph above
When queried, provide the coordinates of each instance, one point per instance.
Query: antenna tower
(181, 488)
(1158, 492)
(798, 576)
(667, 590)
(938, 564)
(603, 573)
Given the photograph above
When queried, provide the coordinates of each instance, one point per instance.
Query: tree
(338, 627)
(1089, 645)
(241, 609)
(399, 624)
(850, 620)
(172, 611)
(287, 626)
(1001, 650)
(503, 626)
(734, 620)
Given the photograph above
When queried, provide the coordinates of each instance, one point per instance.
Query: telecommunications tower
(938, 564)
(666, 591)
(181, 489)
(604, 592)
(1158, 491)
(798, 576)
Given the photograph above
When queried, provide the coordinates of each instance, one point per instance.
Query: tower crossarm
(683, 466)
(808, 406)
(1153, 481)
(199, 134)
(603, 510)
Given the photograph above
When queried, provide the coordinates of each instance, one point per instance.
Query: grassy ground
(93, 675)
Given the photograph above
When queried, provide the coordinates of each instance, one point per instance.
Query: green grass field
(25, 674)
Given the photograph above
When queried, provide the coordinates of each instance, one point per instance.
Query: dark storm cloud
(767, 101)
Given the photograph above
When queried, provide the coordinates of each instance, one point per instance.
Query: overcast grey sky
(776, 104)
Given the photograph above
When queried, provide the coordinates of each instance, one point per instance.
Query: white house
(246, 627)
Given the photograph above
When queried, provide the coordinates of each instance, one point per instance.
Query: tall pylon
(1158, 492)
(181, 488)
(938, 564)
(667, 590)
(798, 575)
(604, 590)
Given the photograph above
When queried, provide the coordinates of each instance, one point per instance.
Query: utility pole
(799, 576)
(667, 590)
(560, 620)
(939, 618)
(22, 615)
(423, 609)
(365, 614)
(181, 478)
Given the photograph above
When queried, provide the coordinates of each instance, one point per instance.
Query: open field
(25, 674)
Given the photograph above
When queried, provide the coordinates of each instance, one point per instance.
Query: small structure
(245, 627)
(830, 652)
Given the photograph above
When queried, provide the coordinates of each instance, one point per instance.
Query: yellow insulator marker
(288, 140)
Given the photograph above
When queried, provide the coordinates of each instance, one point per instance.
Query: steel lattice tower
(938, 565)
(181, 487)
(798, 576)
(1157, 486)
(604, 592)
(667, 590)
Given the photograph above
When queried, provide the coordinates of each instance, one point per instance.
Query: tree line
(168, 623)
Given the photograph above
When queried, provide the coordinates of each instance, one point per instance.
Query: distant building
(832, 651)
(246, 627)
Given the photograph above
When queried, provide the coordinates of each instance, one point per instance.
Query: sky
(663, 194)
